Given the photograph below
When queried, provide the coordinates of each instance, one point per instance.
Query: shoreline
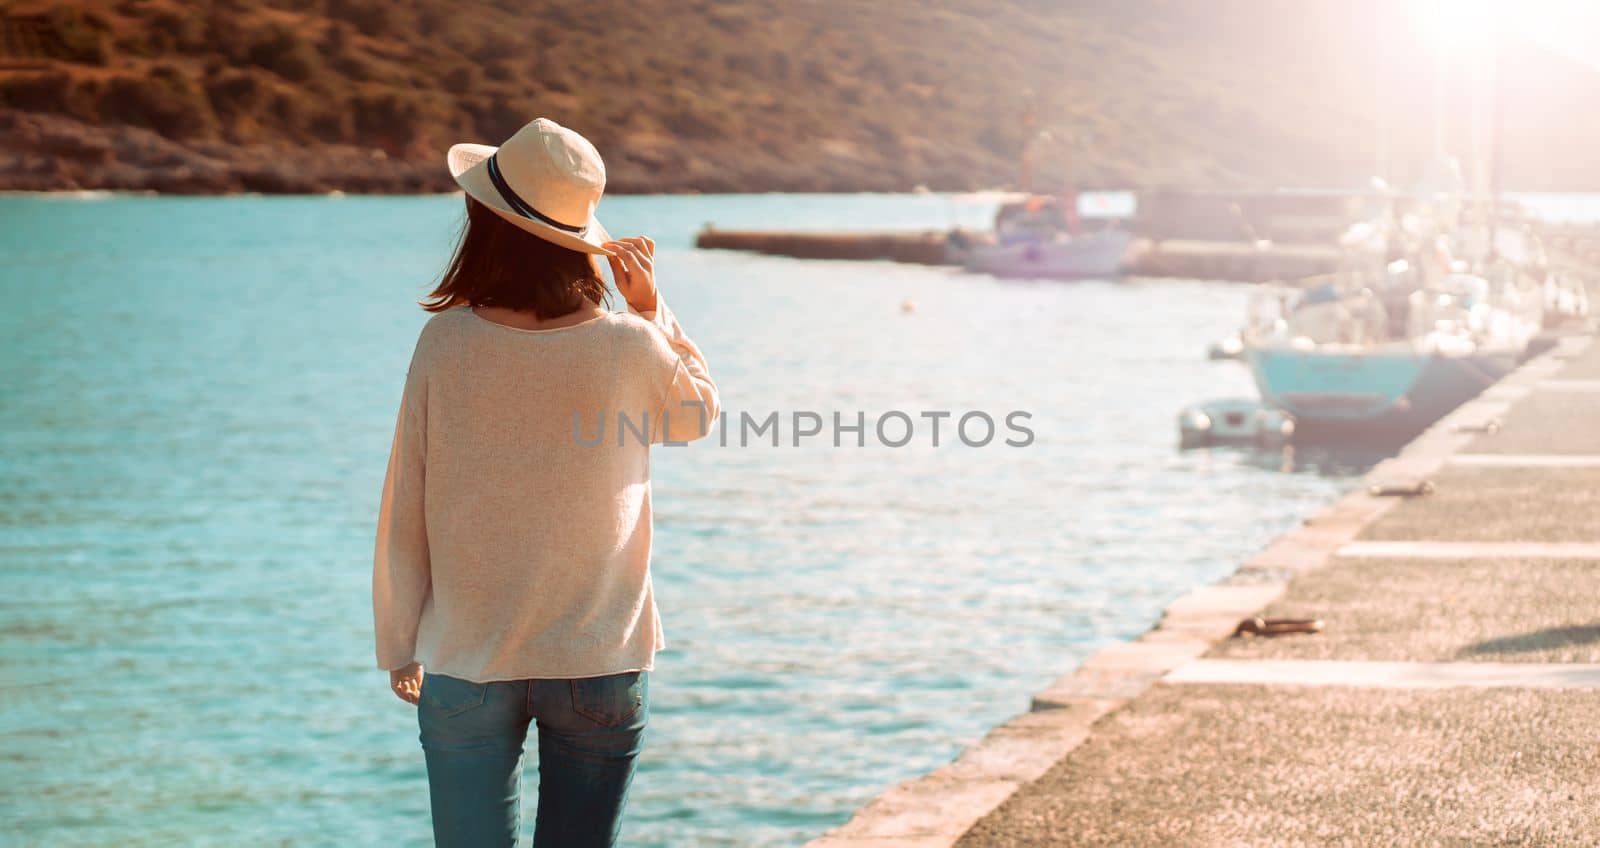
(996, 193)
(937, 809)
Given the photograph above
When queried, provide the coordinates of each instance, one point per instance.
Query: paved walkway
(1453, 697)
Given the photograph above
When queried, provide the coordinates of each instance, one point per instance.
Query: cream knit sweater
(514, 531)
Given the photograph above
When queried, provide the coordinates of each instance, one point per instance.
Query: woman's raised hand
(633, 267)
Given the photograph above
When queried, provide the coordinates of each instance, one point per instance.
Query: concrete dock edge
(936, 809)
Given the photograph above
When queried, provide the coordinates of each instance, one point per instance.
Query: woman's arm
(401, 578)
(691, 404)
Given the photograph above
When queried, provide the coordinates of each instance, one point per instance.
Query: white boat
(1097, 255)
(1040, 238)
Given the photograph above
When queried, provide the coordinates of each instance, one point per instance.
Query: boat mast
(1496, 139)
(1482, 107)
(1381, 99)
(1030, 140)
(1439, 93)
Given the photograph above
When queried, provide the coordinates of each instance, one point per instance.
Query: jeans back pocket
(447, 696)
(610, 700)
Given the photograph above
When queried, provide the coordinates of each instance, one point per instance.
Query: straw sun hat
(546, 179)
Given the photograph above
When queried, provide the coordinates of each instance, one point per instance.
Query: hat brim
(468, 168)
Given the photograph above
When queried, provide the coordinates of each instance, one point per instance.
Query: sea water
(198, 397)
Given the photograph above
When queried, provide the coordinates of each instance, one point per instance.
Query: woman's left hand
(406, 682)
(633, 267)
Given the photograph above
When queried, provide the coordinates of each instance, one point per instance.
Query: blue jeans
(590, 730)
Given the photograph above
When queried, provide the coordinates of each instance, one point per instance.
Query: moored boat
(1334, 364)
(1096, 255)
(1043, 237)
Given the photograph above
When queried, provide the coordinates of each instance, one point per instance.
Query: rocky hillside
(706, 95)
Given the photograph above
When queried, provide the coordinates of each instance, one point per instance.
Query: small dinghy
(1235, 421)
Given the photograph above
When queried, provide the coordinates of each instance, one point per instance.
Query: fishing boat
(1043, 237)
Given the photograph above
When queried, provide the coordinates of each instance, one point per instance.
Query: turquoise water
(198, 397)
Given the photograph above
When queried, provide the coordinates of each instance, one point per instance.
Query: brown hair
(497, 263)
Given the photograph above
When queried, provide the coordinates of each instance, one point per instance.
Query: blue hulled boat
(1372, 392)
(1337, 365)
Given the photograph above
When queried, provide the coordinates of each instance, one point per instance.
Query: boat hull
(1098, 255)
(1392, 394)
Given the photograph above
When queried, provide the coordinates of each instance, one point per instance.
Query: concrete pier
(1186, 258)
(1226, 260)
(922, 248)
(1450, 698)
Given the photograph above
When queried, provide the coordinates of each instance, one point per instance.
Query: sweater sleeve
(401, 578)
(690, 404)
